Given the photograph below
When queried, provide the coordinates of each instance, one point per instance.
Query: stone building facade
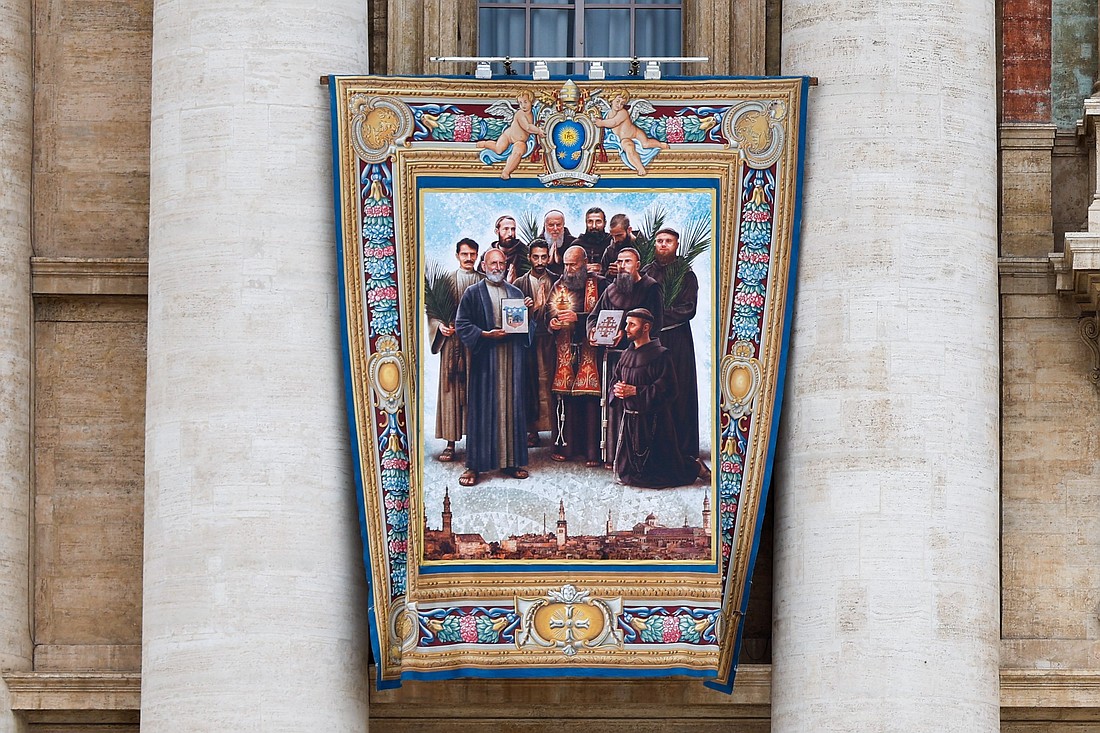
(178, 543)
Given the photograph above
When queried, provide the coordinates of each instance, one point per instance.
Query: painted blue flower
(380, 266)
(756, 236)
(398, 520)
(378, 232)
(383, 321)
(396, 481)
(380, 282)
(752, 271)
(398, 578)
(748, 333)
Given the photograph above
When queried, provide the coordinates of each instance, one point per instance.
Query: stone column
(886, 573)
(16, 315)
(254, 597)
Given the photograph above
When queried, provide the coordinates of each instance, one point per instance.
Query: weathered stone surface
(254, 605)
(91, 107)
(16, 358)
(89, 475)
(886, 500)
(1050, 482)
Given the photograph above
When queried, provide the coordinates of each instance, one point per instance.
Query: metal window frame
(578, 7)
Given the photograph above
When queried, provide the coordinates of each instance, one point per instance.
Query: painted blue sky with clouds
(451, 214)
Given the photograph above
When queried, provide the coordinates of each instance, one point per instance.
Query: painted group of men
(631, 405)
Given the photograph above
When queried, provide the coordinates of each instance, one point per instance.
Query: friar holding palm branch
(681, 298)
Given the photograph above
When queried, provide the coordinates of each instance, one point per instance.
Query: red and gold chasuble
(577, 372)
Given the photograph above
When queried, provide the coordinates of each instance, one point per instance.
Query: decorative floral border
(461, 121)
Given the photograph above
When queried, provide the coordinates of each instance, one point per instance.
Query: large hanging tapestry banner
(566, 306)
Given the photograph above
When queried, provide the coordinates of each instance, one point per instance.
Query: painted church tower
(563, 527)
(447, 531)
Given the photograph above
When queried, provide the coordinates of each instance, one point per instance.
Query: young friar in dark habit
(622, 236)
(675, 335)
(641, 393)
(536, 285)
(595, 239)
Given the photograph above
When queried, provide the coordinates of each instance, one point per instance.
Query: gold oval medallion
(568, 622)
(740, 382)
(389, 377)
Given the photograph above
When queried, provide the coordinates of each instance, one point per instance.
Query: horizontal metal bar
(570, 59)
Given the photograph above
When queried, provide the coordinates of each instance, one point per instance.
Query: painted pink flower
(382, 294)
(755, 257)
(674, 130)
(463, 127)
(398, 546)
(727, 466)
(753, 299)
(671, 630)
(467, 628)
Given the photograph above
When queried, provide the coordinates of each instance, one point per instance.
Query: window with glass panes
(548, 28)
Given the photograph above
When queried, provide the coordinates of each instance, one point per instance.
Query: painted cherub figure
(516, 134)
(621, 122)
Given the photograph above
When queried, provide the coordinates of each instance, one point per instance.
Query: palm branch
(652, 221)
(440, 293)
(528, 227)
(694, 241)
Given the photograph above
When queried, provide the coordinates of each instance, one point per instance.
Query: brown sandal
(468, 477)
(515, 472)
(448, 455)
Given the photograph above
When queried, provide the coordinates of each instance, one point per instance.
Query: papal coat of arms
(575, 129)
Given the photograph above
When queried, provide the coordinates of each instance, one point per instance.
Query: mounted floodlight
(483, 70)
(652, 70)
(541, 71)
(596, 71)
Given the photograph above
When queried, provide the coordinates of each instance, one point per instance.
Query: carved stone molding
(75, 697)
(105, 697)
(89, 276)
(1077, 274)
